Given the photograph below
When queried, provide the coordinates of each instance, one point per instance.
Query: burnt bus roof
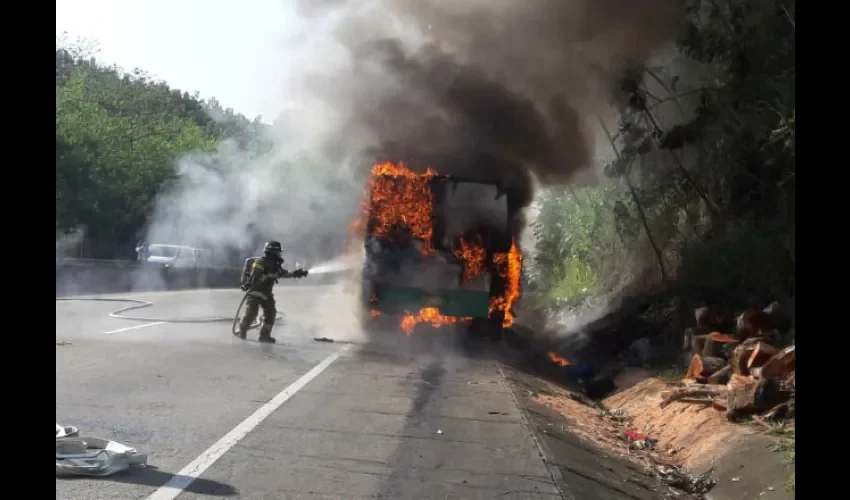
(456, 180)
(445, 164)
(452, 178)
(514, 196)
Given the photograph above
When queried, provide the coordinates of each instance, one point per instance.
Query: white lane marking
(185, 477)
(134, 327)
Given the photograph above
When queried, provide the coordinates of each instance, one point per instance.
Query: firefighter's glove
(300, 273)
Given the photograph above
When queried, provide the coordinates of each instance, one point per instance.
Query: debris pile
(681, 480)
(617, 432)
(746, 372)
(92, 456)
(594, 386)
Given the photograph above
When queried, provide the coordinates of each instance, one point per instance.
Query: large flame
(429, 315)
(390, 203)
(473, 255)
(509, 266)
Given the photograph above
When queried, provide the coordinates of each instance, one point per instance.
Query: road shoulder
(581, 470)
(585, 447)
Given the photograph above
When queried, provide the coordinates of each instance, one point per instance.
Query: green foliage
(741, 267)
(748, 120)
(712, 197)
(570, 231)
(118, 137)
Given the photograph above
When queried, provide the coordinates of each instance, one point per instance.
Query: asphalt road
(220, 417)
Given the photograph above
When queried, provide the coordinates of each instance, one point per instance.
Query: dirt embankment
(692, 436)
(734, 393)
(695, 437)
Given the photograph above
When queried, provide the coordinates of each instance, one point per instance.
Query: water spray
(334, 266)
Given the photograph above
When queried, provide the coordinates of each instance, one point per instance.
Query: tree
(712, 191)
(118, 137)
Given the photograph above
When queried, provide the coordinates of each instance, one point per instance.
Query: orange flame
(558, 359)
(473, 254)
(511, 269)
(427, 315)
(389, 203)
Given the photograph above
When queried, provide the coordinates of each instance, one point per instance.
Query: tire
(476, 328)
(514, 340)
(365, 292)
(495, 332)
(494, 325)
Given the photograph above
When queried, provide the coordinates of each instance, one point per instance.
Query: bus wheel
(517, 338)
(494, 327)
(476, 328)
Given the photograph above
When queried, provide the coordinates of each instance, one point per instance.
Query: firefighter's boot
(242, 330)
(266, 336)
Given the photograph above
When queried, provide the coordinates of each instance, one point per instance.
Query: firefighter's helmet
(273, 249)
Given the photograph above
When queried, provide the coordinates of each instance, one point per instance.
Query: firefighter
(265, 272)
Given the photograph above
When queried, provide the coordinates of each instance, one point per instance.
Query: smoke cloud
(231, 202)
(494, 90)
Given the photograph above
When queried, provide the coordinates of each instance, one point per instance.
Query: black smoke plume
(502, 90)
(483, 89)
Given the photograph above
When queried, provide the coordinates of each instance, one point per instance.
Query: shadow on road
(152, 476)
(519, 348)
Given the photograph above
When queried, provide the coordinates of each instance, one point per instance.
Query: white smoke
(232, 201)
(515, 82)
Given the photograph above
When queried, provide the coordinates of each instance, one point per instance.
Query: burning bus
(439, 250)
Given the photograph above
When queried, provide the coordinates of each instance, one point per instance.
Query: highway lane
(296, 420)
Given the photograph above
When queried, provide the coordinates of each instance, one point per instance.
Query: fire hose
(141, 304)
(235, 327)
